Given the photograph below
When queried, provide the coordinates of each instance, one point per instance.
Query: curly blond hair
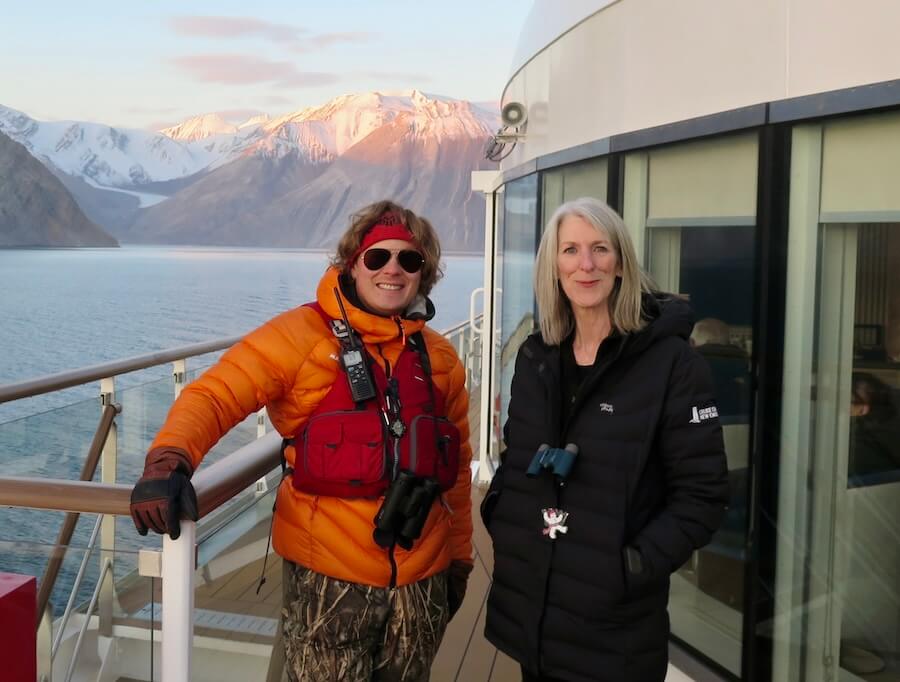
(423, 232)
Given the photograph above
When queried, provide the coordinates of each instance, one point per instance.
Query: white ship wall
(636, 64)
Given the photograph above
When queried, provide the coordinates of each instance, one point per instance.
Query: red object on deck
(18, 640)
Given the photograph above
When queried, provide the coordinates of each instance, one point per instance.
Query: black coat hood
(666, 315)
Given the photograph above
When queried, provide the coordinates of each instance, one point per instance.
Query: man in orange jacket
(375, 525)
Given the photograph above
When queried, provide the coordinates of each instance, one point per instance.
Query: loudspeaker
(514, 114)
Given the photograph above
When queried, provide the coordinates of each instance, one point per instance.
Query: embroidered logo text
(702, 414)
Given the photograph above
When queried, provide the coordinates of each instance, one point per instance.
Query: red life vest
(349, 450)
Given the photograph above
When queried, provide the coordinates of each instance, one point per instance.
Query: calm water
(64, 309)
(68, 308)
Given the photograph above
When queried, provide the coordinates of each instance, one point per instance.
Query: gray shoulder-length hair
(557, 320)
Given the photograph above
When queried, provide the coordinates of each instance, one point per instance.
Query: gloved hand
(457, 580)
(164, 493)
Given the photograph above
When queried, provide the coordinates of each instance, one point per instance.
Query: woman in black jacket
(584, 544)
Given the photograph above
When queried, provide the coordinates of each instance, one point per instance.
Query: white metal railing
(105, 374)
(105, 568)
(176, 563)
(64, 619)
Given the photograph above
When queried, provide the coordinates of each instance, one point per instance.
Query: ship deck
(228, 607)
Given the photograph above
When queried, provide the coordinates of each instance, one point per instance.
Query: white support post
(486, 182)
(108, 464)
(178, 564)
(261, 485)
(179, 374)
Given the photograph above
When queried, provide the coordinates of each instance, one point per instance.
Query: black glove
(457, 580)
(164, 494)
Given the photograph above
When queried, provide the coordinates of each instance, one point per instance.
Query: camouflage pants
(335, 630)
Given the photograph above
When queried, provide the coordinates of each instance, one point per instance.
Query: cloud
(162, 111)
(234, 27)
(398, 76)
(278, 100)
(236, 69)
(329, 39)
(298, 38)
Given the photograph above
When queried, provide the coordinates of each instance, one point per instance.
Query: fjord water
(64, 309)
(67, 308)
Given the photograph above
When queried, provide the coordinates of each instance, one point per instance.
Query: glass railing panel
(144, 410)
(52, 444)
(106, 629)
(232, 612)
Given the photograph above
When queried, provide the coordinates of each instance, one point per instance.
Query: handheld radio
(353, 358)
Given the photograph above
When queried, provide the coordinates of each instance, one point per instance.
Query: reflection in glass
(869, 604)
(517, 244)
(585, 179)
(714, 268)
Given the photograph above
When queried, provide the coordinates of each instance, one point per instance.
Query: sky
(152, 63)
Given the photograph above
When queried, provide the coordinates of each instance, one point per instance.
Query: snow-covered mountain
(256, 182)
(346, 120)
(199, 128)
(123, 158)
(102, 155)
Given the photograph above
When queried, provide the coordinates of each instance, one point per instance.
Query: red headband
(386, 229)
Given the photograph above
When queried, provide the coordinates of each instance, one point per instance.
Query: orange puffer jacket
(288, 365)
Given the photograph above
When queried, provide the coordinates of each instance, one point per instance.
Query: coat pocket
(491, 499)
(345, 446)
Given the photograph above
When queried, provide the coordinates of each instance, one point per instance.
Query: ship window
(694, 206)
(712, 182)
(516, 244)
(837, 600)
(861, 169)
(585, 179)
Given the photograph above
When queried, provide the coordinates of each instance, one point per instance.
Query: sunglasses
(411, 261)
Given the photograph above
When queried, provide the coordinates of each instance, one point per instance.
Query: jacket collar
(372, 328)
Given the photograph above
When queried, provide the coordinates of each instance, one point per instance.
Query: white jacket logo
(701, 415)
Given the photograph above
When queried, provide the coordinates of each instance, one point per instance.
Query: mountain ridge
(290, 180)
(36, 210)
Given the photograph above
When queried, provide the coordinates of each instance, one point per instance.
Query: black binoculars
(405, 509)
(557, 461)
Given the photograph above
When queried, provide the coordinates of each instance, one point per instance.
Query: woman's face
(587, 262)
(389, 289)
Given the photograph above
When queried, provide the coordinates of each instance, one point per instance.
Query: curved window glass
(837, 597)
(695, 205)
(514, 258)
(585, 179)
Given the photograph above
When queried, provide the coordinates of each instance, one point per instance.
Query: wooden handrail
(84, 375)
(57, 494)
(76, 377)
(218, 483)
(214, 484)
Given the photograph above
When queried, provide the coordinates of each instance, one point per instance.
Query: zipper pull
(396, 318)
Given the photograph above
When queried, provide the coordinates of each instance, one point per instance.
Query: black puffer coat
(651, 475)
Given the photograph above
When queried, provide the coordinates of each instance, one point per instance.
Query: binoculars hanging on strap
(405, 509)
(558, 461)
